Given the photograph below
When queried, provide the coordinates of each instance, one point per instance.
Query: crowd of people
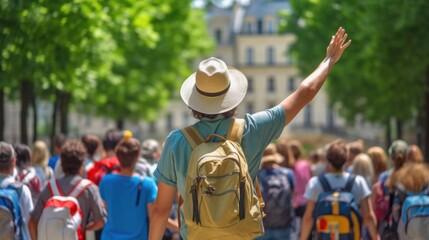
(219, 176)
(107, 214)
(107, 209)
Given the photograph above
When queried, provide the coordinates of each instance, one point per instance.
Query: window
(250, 87)
(291, 85)
(270, 28)
(270, 56)
(271, 85)
(152, 127)
(169, 121)
(218, 36)
(260, 26)
(330, 120)
(186, 120)
(249, 56)
(308, 116)
(249, 28)
(250, 108)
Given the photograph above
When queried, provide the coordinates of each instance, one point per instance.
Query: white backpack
(61, 216)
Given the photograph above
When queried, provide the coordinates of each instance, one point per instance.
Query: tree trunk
(2, 114)
(64, 109)
(120, 124)
(425, 121)
(54, 119)
(25, 103)
(388, 134)
(399, 134)
(35, 114)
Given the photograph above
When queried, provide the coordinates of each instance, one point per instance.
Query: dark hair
(199, 115)
(128, 152)
(23, 155)
(59, 140)
(337, 155)
(111, 139)
(91, 143)
(72, 157)
(7, 154)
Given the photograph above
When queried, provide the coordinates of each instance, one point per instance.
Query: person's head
(271, 157)
(111, 139)
(362, 166)
(214, 89)
(92, 144)
(7, 158)
(23, 155)
(414, 154)
(40, 154)
(379, 159)
(151, 150)
(336, 155)
(296, 148)
(283, 148)
(128, 152)
(398, 153)
(414, 177)
(59, 141)
(354, 148)
(72, 156)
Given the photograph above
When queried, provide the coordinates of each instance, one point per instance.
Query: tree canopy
(383, 72)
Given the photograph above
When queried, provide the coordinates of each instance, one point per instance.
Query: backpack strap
(192, 135)
(349, 183)
(54, 188)
(139, 190)
(80, 188)
(324, 182)
(235, 131)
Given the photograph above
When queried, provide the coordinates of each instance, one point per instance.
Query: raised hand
(337, 46)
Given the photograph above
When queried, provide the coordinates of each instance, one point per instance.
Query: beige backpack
(221, 200)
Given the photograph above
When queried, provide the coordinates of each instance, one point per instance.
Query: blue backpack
(336, 214)
(10, 212)
(277, 192)
(414, 220)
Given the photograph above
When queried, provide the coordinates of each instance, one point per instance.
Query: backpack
(61, 215)
(382, 197)
(277, 193)
(336, 213)
(220, 199)
(103, 167)
(10, 212)
(414, 218)
(29, 178)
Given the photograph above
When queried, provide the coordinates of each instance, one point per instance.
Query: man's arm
(368, 218)
(160, 212)
(307, 220)
(312, 84)
(32, 228)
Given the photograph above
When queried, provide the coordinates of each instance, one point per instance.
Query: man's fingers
(347, 44)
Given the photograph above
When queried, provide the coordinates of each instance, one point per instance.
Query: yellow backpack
(221, 201)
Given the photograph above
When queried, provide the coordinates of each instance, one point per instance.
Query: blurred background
(84, 66)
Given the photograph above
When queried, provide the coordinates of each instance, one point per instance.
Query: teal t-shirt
(260, 129)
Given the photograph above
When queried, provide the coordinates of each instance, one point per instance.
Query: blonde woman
(362, 166)
(414, 154)
(379, 160)
(40, 159)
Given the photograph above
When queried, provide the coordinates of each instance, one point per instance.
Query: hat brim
(274, 158)
(219, 104)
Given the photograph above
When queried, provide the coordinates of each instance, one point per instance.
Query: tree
(384, 74)
(151, 52)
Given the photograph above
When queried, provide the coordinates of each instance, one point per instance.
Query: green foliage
(382, 73)
(118, 59)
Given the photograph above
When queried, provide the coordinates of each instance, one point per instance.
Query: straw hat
(214, 88)
(271, 155)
